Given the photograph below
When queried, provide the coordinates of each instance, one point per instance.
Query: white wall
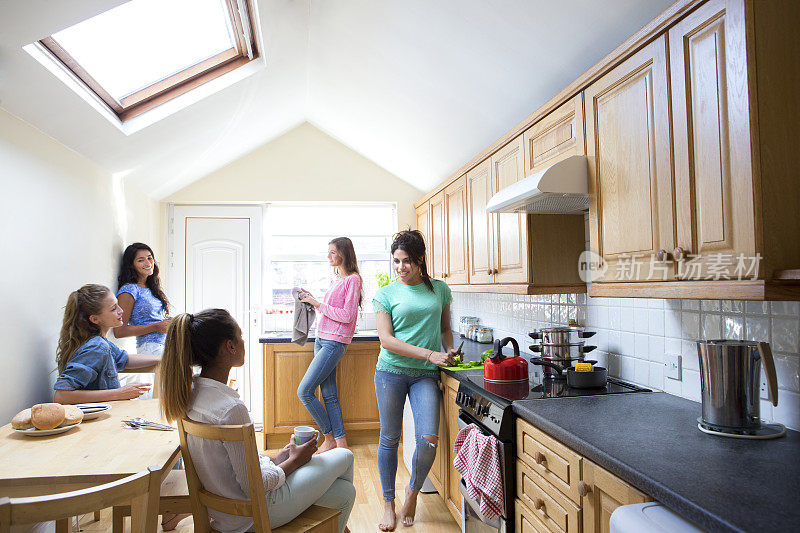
(304, 164)
(62, 226)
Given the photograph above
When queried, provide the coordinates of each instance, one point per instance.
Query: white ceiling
(417, 86)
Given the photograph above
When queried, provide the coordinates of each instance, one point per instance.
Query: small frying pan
(595, 379)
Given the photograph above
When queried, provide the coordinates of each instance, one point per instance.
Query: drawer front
(545, 502)
(550, 459)
(526, 521)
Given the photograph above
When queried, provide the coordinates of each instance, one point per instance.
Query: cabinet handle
(441, 386)
(495, 271)
(583, 489)
(680, 254)
(538, 503)
(539, 458)
(444, 275)
(662, 255)
(489, 271)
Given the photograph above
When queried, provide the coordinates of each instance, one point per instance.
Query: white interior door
(215, 262)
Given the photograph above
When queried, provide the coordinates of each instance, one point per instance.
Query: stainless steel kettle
(730, 382)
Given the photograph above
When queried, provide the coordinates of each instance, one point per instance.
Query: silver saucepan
(561, 335)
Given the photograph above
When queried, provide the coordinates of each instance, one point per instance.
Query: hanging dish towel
(478, 461)
(304, 316)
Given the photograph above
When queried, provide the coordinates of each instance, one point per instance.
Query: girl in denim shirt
(88, 363)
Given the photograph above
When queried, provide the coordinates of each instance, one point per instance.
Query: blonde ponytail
(176, 369)
(191, 340)
(76, 328)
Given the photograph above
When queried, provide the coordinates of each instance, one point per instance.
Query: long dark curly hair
(127, 274)
(412, 243)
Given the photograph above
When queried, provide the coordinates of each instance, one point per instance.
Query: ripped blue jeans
(424, 395)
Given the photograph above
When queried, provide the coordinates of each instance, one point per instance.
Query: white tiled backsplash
(634, 334)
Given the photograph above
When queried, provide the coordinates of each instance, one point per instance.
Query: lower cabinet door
(525, 521)
(554, 510)
(604, 493)
(454, 478)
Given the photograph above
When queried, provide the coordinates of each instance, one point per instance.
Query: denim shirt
(94, 366)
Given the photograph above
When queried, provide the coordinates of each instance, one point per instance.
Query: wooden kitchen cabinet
(453, 496)
(437, 249)
(559, 490)
(423, 215)
(480, 227)
(630, 174)
(604, 493)
(284, 368)
(554, 138)
(534, 253)
(455, 202)
(511, 230)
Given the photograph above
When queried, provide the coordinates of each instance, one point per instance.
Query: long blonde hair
(191, 340)
(76, 328)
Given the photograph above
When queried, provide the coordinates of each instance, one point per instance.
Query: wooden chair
(315, 519)
(138, 490)
(174, 498)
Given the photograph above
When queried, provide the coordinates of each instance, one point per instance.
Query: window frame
(271, 256)
(181, 82)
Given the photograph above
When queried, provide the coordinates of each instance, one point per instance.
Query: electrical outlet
(672, 366)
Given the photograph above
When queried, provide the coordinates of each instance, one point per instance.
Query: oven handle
(475, 505)
(464, 420)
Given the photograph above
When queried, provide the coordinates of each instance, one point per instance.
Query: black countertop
(651, 440)
(285, 337)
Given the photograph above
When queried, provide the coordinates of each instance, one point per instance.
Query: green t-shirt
(416, 314)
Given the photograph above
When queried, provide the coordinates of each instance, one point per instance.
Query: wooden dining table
(94, 452)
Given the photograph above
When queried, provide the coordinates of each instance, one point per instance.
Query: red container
(502, 369)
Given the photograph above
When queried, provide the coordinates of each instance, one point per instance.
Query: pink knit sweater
(339, 310)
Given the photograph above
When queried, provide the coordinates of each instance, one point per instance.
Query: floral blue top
(146, 310)
(94, 366)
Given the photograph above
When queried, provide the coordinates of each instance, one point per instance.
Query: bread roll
(72, 415)
(47, 415)
(22, 420)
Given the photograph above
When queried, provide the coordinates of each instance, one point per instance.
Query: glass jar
(485, 335)
(465, 322)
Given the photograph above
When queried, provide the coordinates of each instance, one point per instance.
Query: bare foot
(342, 443)
(389, 520)
(170, 521)
(409, 507)
(327, 444)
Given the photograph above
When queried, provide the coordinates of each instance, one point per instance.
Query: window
(297, 237)
(144, 53)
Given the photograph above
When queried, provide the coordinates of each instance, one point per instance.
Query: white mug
(303, 434)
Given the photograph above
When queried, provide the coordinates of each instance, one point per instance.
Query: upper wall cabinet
(510, 229)
(689, 130)
(555, 137)
(627, 147)
(437, 254)
(736, 229)
(455, 203)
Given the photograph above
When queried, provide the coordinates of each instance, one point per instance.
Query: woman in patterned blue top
(143, 303)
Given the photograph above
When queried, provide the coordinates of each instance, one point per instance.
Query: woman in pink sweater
(335, 330)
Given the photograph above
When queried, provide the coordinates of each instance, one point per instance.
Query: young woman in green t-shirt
(413, 320)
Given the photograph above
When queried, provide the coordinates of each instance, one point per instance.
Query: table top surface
(99, 450)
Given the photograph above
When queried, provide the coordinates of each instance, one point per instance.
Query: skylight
(144, 52)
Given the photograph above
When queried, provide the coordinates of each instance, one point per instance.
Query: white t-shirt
(221, 465)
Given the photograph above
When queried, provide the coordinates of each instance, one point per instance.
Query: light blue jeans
(424, 395)
(322, 373)
(326, 480)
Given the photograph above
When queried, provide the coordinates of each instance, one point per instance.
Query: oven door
(472, 521)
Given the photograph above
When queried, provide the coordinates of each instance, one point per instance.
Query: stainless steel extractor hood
(562, 188)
